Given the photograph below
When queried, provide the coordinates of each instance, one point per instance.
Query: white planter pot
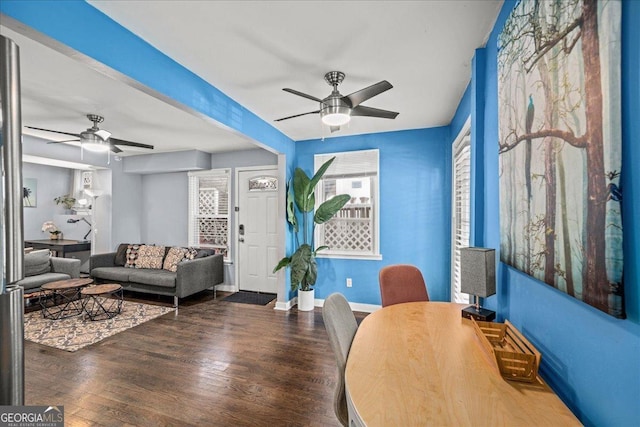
(306, 300)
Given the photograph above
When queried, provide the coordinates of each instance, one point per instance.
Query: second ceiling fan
(336, 110)
(96, 139)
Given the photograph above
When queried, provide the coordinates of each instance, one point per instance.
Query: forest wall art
(560, 147)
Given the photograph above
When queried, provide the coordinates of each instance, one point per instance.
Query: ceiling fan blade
(334, 128)
(115, 149)
(304, 95)
(356, 98)
(77, 135)
(361, 110)
(116, 141)
(297, 115)
(66, 140)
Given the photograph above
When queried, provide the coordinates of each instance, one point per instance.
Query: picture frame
(30, 193)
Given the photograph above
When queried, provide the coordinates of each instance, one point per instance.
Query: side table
(101, 302)
(66, 291)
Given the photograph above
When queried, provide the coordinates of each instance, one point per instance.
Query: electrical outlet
(349, 282)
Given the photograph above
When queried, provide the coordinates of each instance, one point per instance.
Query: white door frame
(236, 214)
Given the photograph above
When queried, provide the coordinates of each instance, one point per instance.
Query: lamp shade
(478, 268)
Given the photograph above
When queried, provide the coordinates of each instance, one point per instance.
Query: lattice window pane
(209, 209)
(354, 229)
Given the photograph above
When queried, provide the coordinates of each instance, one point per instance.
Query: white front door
(257, 229)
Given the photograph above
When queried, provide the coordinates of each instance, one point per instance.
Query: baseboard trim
(355, 306)
(226, 288)
(287, 305)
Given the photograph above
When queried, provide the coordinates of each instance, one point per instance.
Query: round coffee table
(67, 292)
(102, 302)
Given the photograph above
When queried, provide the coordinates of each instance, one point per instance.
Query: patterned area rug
(74, 333)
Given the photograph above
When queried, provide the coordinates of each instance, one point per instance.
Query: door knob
(241, 239)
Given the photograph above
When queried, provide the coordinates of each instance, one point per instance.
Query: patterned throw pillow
(174, 256)
(150, 256)
(191, 253)
(132, 254)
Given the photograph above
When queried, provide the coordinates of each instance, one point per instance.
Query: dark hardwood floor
(214, 363)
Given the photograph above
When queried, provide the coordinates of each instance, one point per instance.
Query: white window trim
(377, 254)
(463, 139)
(192, 208)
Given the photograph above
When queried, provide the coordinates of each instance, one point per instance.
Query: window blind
(461, 209)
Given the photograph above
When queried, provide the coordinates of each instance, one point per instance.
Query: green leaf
(321, 248)
(328, 209)
(301, 190)
(311, 276)
(291, 213)
(318, 176)
(300, 261)
(283, 263)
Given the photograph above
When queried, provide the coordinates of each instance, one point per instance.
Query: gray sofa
(41, 268)
(192, 276)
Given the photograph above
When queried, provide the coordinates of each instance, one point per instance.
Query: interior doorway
(257, 228)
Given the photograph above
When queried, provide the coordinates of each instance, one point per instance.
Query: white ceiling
(252, 49)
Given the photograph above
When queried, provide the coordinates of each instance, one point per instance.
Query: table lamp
(478, 278)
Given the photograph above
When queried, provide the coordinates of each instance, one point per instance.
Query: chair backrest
(402, 283)
(341, 327)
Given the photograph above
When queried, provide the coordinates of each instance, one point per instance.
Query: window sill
(363, 257)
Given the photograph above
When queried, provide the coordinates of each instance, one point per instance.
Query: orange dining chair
(402, 283)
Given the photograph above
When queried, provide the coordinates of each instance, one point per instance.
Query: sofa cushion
(121, 255)
(150, 256)
(132, 255)
(117, 274)
(161, 278)
(33, 283)
(36, 262)
(174, 256)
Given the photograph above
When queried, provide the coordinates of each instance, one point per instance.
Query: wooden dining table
(421, 364)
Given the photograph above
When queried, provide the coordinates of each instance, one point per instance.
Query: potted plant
(52, 229)
(65, 200)
(301, 204)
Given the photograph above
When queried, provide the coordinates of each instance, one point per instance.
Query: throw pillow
(132, 254)
(205, 252)
(191, 253)
(36, 263)
(121, 254)
(174, 256)
(150, 256)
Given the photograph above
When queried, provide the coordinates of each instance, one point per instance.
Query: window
(209, 209)
(353, 232)
(461, 210)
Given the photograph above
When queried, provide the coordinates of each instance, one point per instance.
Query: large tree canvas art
(560, 147)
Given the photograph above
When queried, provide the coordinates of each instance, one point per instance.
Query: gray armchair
(40, 268)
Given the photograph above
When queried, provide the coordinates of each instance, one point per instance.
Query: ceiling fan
(336, 109)
(96, 139)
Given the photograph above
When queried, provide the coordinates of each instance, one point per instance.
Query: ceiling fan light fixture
(335, 115)
(92, 142)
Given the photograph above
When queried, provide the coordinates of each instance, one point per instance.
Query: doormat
(246, 297)
(73, 333)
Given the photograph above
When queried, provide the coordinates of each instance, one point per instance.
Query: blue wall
(592, 360)
(415, 187)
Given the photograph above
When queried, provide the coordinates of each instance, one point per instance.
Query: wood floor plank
(213, 363)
